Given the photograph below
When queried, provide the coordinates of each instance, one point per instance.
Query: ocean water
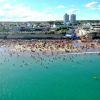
(45, 77)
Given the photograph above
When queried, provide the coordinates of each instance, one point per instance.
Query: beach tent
(68, 35)
(75, 37)
(72, 36)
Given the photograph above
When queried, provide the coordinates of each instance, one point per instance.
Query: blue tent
(75, 37)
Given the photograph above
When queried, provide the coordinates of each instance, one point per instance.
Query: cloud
(93, 5)
(21, 12)
(7, 6)
(49, 10)
(60, 6)
(99, 7)
(6, 1)
(72, 11)
(2, 0)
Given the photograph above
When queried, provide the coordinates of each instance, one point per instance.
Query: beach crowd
(66, 46)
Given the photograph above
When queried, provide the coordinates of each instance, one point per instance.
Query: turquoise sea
(44, 77)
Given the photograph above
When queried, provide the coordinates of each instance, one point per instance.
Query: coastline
(51, 46)
(80, 53)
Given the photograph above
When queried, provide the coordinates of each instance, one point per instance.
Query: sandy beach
(51, 46)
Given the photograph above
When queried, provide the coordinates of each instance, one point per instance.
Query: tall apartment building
(73, 18)
(66, 18)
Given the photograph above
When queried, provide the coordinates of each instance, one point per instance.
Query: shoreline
(80, 53)
(48, 52)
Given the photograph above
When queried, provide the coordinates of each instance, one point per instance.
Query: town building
(66, 18)
(73, 18)
(57, 25)
(91, 31)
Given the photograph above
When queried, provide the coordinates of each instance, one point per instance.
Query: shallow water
(59, 77)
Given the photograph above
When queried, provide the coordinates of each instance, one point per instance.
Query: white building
(82, 32)
(95, 27)
(58, 26)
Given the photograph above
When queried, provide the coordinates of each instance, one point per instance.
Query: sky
(48, 10)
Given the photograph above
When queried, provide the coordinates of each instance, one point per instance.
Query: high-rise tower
(73, 18)
(66, 18)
